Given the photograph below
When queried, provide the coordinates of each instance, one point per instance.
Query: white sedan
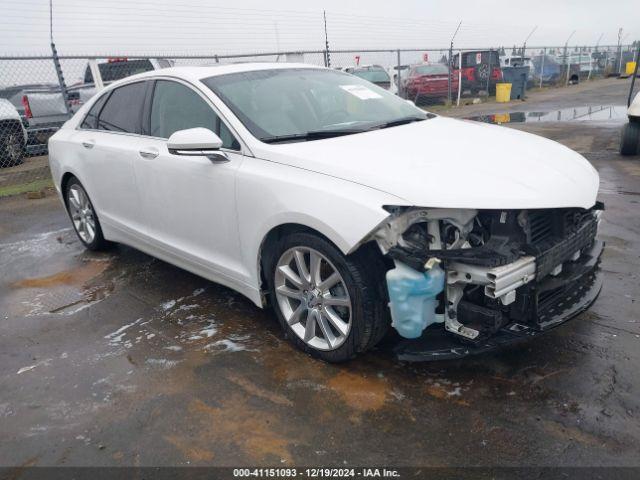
(344, 207)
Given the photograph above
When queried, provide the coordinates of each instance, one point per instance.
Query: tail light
(27, 107)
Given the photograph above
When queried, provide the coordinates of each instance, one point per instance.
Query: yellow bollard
(503, 92)
(631, 67)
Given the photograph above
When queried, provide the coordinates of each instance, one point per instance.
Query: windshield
(296, 101)
(372, 75)
(431, 70)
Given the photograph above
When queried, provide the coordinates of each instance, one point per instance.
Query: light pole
(619, 50)
(524, 45)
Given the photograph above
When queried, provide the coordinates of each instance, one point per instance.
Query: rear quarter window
(91, 120)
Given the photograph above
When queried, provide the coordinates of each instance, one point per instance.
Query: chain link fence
(39, 93)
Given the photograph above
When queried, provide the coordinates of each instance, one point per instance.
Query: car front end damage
(467, 281)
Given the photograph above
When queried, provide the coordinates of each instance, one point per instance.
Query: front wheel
(329, 305)
(630, 139)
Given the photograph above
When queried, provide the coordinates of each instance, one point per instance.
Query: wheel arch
(276, 232)
(282, 230)
(64, 181)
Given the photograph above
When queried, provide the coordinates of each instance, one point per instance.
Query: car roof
(197, 73)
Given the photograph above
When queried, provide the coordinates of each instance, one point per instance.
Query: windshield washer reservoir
(412, 296)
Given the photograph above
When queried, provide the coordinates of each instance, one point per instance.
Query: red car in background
(428, 82)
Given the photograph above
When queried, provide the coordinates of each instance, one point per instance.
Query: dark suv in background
(480, 70)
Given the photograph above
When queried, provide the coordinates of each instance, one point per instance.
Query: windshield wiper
(311, 135)
(400, 121)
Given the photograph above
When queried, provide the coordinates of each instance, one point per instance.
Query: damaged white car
(345, 208)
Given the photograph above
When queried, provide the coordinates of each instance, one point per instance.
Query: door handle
(149, 153)
(88, 143)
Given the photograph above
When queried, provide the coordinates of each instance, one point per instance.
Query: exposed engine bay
(486, 272)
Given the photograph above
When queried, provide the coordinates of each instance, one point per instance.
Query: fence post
(544, 55)
(459, 76)
(449, 64)
(327, 58)
(489, 73)
(566, 59)
(63, 86)
(399, 77)
(95, 73)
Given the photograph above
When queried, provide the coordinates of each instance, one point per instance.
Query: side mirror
(196, 142)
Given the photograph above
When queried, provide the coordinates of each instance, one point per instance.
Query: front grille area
(540, 226)
(559, 252)
(552, 303)
(555, 235)
(545, 225)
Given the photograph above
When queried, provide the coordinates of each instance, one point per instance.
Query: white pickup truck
(42, 106)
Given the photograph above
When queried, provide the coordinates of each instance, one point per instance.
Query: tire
(361, 284)
(11, 148)
(81, 212)
(630, 139)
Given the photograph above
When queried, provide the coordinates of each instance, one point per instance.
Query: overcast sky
(199, 26)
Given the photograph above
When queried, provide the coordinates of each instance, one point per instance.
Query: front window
(177, 107)
(301, 104)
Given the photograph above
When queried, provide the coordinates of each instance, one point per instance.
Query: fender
(270, 194)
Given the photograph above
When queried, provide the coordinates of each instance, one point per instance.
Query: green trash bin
(517, 77)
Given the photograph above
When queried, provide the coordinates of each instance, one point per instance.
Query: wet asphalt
(120, 359)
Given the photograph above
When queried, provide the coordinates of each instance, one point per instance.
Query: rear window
(470, 59)
(112, 71)
(431, 70)
(373, 75)
(123, 110)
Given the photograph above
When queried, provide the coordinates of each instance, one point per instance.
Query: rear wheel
(630, 139)
(83, 216)
(329, 305)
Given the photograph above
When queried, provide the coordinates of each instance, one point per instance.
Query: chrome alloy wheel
(313, 298)
(82, 215)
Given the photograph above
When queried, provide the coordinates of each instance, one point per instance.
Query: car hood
(448, 163)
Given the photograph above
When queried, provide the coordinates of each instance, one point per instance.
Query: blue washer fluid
(412, 296)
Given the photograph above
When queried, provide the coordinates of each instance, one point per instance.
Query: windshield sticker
(360, 91)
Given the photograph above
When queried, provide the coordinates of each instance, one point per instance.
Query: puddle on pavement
(65, 292)
(51, 274)
(577, 114)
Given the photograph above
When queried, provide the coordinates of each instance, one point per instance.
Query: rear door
(109, 140)
(189, 202)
